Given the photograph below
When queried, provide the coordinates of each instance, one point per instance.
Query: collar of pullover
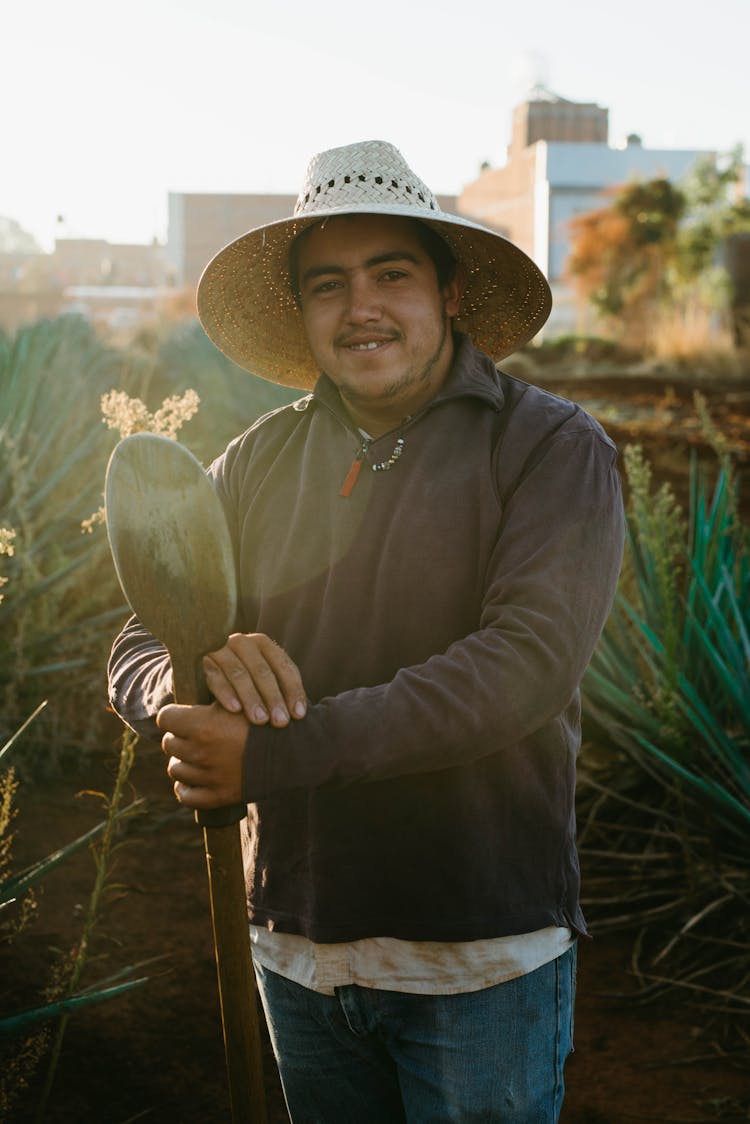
(473, 374)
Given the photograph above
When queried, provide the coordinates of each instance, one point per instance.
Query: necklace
(382, 466)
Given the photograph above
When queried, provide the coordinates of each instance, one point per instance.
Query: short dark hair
(436, 248)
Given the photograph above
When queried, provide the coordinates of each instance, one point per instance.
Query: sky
(108, 107)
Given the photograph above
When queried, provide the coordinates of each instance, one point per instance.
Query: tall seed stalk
(103, 854)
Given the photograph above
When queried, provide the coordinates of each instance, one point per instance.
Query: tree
(659, 246)
(621, 252)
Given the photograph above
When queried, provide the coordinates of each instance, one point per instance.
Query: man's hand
(252, 675)
(205, 746)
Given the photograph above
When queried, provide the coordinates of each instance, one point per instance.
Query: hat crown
(368, 175)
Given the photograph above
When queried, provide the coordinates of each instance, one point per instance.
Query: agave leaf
(19, 884)
(123, 973)
(723, 801)
(61, 665)
(739, 617)
(11, 1024)
(620, 702)
(14, 738)
(642, 625)
(732, 684)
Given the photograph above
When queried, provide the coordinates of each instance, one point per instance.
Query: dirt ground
(155, 1055)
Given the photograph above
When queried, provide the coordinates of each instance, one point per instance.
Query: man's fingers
(179, 720)
(232, 686)
(254, 674)
(194, 796)
(196, 787)
(287, 675)
(205, 746)
(181, 771)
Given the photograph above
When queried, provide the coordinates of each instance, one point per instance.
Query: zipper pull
(351, 477)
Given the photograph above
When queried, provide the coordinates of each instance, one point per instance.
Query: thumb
(175, 718)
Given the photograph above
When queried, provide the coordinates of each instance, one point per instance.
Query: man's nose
(364, 301)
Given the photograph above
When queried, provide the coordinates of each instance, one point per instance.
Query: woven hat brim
(246, 307)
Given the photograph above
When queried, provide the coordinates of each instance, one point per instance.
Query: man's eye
(393, 275)
(326, 286)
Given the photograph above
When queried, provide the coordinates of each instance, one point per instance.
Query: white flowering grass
(6, 547)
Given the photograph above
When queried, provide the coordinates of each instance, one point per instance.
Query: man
(427, 550)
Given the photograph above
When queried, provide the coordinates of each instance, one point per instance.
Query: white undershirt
(417, 967)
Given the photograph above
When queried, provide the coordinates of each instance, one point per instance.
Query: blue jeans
(383, 1057)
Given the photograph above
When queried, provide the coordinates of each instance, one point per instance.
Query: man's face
(376, 321)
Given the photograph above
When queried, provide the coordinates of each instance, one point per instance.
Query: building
(119, 285)
(199, 225)
(560, 165)
(93, 261)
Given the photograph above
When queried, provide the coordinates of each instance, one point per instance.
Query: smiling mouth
(367, 345)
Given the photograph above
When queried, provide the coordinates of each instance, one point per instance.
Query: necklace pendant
(351, 478)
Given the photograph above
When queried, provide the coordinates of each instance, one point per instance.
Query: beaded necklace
(382, 466)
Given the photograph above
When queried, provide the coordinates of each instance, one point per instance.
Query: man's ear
(453, 291)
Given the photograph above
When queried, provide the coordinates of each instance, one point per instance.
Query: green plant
(53, 452)
(20, 1061)
(64, 995)
(103, 852)
(665, 785)
(653, 264)
(232, 399)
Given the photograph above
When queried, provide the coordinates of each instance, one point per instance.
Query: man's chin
(374, 390)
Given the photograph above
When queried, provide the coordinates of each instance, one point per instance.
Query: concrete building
(199, 225)
(560, 165)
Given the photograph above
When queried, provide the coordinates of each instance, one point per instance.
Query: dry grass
(692, 333)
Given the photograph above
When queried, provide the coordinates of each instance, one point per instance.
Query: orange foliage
(599, 240)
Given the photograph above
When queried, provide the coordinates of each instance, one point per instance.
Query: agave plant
(231, 398)
(665, 782)
(53, 453)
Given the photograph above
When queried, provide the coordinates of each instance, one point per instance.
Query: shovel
(174, 559)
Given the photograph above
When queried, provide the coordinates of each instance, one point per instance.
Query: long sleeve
(550, 584)
(140, 679)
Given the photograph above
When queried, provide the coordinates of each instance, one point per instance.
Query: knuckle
(237, 672)
(239, 641)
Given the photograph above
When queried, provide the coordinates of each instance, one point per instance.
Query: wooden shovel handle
(235, 975)
(234, 965)
(221, 817)
(190, 688)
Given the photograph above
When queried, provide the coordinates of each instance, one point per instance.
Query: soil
(155, 1054)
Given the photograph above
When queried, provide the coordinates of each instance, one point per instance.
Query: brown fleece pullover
(442, 616)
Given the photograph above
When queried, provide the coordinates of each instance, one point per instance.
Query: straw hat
(245, 301)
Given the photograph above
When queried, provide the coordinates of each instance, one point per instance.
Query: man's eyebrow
(378, 259)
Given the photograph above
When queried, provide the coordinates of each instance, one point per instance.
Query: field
(155, 1054)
